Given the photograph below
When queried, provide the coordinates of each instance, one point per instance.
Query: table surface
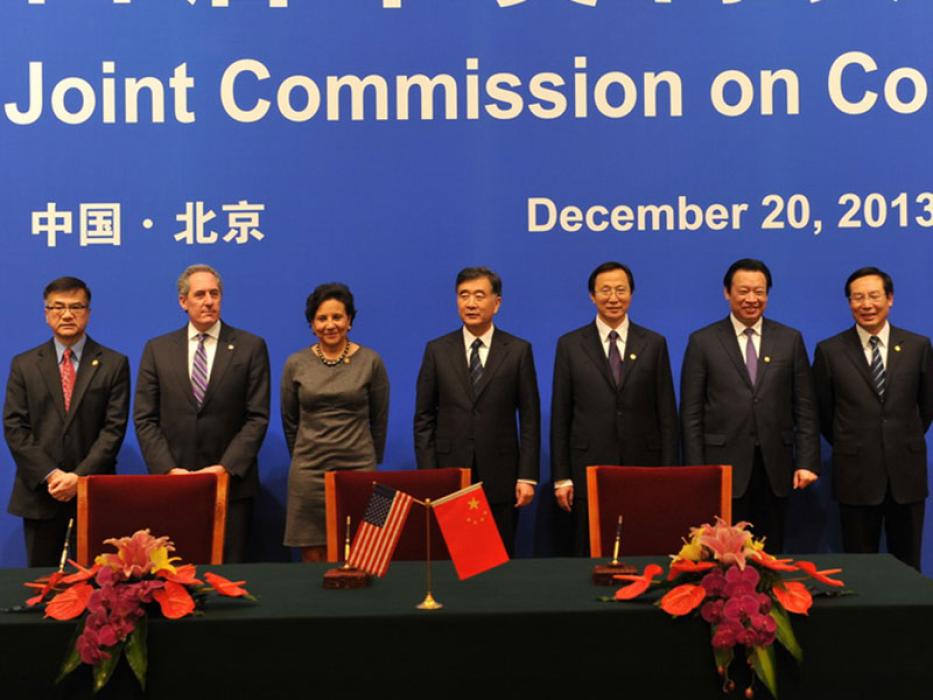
(516, 624)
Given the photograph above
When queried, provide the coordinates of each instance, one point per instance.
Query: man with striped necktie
(65, 416)
(875, 389)
(202, 401)
(472, 386)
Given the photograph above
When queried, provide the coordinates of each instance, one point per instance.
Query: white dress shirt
(468, 339)
(743, 339)
(884, 335)
(604, 330)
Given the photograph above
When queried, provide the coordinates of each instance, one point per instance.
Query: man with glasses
(471, 386)
(64, 416)
(613, 397)
(747, 399)
(875, 389)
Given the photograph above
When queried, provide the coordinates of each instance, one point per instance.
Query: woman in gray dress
(335, 409)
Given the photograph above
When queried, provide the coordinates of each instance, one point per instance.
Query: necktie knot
(874, 340)
(66, 356)
(750, 332)
(477, 344)
(613, 336)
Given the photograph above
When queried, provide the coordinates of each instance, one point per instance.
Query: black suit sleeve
(240, 453)
(147, 415)
(105, 448)
(693, 378)
(379, 408)
(33, 463)
(925, 398)
(806, 418)
(561, 414)
(529, 418)
(425, 423)
(667, 407)
(823, 379)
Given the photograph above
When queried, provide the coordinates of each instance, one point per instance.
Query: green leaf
(73, 659)
(785, 632)
(105, 668)
(762, 661)
(136, 652)
(723, 659)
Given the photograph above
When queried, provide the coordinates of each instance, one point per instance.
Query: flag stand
(428, 603)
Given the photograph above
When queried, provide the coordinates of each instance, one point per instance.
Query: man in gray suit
(875, 388)
(65, 416)
(747, 399)
(202, 401)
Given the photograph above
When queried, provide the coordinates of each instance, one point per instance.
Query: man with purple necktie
(747, 399)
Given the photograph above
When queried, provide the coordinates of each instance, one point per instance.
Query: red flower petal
(46, 585)
(70, 603)
(794, 596)
(185, 575)
(226, 587)
(770, 562)
(809, 568)
(683, 599)
(685, 566)
(81, 574)
(639, 583)
(174, 600)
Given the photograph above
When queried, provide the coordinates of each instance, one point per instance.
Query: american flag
(378, 534)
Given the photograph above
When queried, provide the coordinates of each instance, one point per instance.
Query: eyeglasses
(871, 296)
(60, 309)
(607, 292)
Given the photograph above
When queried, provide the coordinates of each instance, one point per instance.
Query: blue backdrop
(308, 120)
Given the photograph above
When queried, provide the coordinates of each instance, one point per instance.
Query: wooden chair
(659, 505)
(190, 509)
(347, 493)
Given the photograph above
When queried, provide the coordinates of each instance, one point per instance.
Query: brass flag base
(429, 603)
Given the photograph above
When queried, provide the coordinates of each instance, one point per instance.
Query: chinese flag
(470, 531)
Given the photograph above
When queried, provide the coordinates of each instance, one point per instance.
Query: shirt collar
(77, 350)
(865, 337)
(486, 337)
(740, 327)
(212, 332)
(604, 330)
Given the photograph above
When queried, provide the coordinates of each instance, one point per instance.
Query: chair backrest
(190, 509)
(347, 493)
(659, 505)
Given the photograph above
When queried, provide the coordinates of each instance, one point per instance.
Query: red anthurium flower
(639, 584)
(70, 603)
(771, 562)
(185, 575)
(809, 568)
(175, 600)
(794, 596)
(46, 585)
(81, 574)
(685, 566)
(683, 599)
(231, 588)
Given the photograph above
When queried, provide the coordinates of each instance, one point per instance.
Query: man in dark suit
(613, 397)
(471, 385)
(747, 399)
(202, 401)
(875, 389)
(65, 416)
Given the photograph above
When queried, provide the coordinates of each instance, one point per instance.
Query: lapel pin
(897, 348)
(633, 356)
(94, 363)
(767, 358)
(230, 347)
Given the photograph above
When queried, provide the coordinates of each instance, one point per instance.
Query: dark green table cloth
(529, 628)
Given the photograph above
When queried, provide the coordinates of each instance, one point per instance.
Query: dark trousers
(759, 506)
(581, 525)
(45, 539)
(903, 528)
(236, 535)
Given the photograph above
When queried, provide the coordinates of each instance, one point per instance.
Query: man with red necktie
(65, 416)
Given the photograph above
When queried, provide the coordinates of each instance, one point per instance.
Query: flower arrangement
(116, 594)
(740, 590)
